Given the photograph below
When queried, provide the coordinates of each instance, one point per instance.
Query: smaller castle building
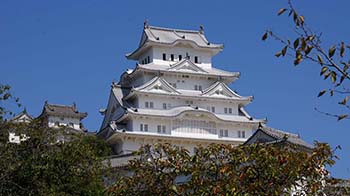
(62, 115)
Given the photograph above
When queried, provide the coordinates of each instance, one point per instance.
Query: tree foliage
(307, 46)
(225, 170)
(45, 164)
(5, 97)
(42, 165)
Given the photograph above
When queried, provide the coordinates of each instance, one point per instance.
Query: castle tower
(175, 95)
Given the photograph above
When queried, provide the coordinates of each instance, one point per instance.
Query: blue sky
(70, 51)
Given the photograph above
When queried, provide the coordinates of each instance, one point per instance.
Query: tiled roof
(62, 110)
(207, 71)
(183, 109)
(280, 136)
(21, 115)
(170, 91)
(167, 36)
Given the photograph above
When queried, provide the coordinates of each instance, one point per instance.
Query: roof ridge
(173, 29)
(59, 105)
(281, 131)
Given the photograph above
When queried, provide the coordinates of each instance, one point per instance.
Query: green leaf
(6, 96)
(344, 101)
(342, 79)
(297, 61)
(284, 51)
(311, 37)
(295, 18)
(281, 11)
(303, 43)
(302, 20)
(341, 117)
(331, 51)
(319, 58)
(323, 70)
(327, 74)
(308, 49)
(342, 49)
(174, 188)
(264, 37)
(296, 43)
(321, 93)
(333, 77)
(278, 54)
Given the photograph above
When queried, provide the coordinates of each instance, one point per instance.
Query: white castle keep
(175, 95)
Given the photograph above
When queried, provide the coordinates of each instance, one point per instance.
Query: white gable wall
(63, 121)
(203, 57)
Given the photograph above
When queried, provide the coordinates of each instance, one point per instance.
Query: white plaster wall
(158, 101)
(233, 131)
(133, 144)
(183, 81)
(141, 79)
(188, 83)
(149, 53)
(204, 57)
(153, 122)
(64, 121)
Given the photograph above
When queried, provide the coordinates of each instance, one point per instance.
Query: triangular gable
(261, 137)
(22, 117)
(158, 85)
(186, 65)
(220, 89)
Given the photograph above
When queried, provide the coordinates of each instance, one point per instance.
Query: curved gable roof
(220, 89)
(157, 84)
(167, 36)
(186, 65)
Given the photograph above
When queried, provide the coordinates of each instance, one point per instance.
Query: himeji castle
(175, 95)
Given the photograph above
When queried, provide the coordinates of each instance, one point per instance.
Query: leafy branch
(307, 46)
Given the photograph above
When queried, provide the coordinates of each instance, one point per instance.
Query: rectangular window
(226, 133)
(180, 57)
(243, 134)
(239, 134)
(164, 105)
(221, 133)
(151, 104)
(225, 110)
(159, 129)
(141, 127)
(213, 109)
(195, 87)
(189, 102)
(196, 59)
(230, 110)
(148, 59)
(164, 129)
(143, 62)
(146, 104)
(146, 127)
(164, 57)
(199, 87)
(172, 57)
